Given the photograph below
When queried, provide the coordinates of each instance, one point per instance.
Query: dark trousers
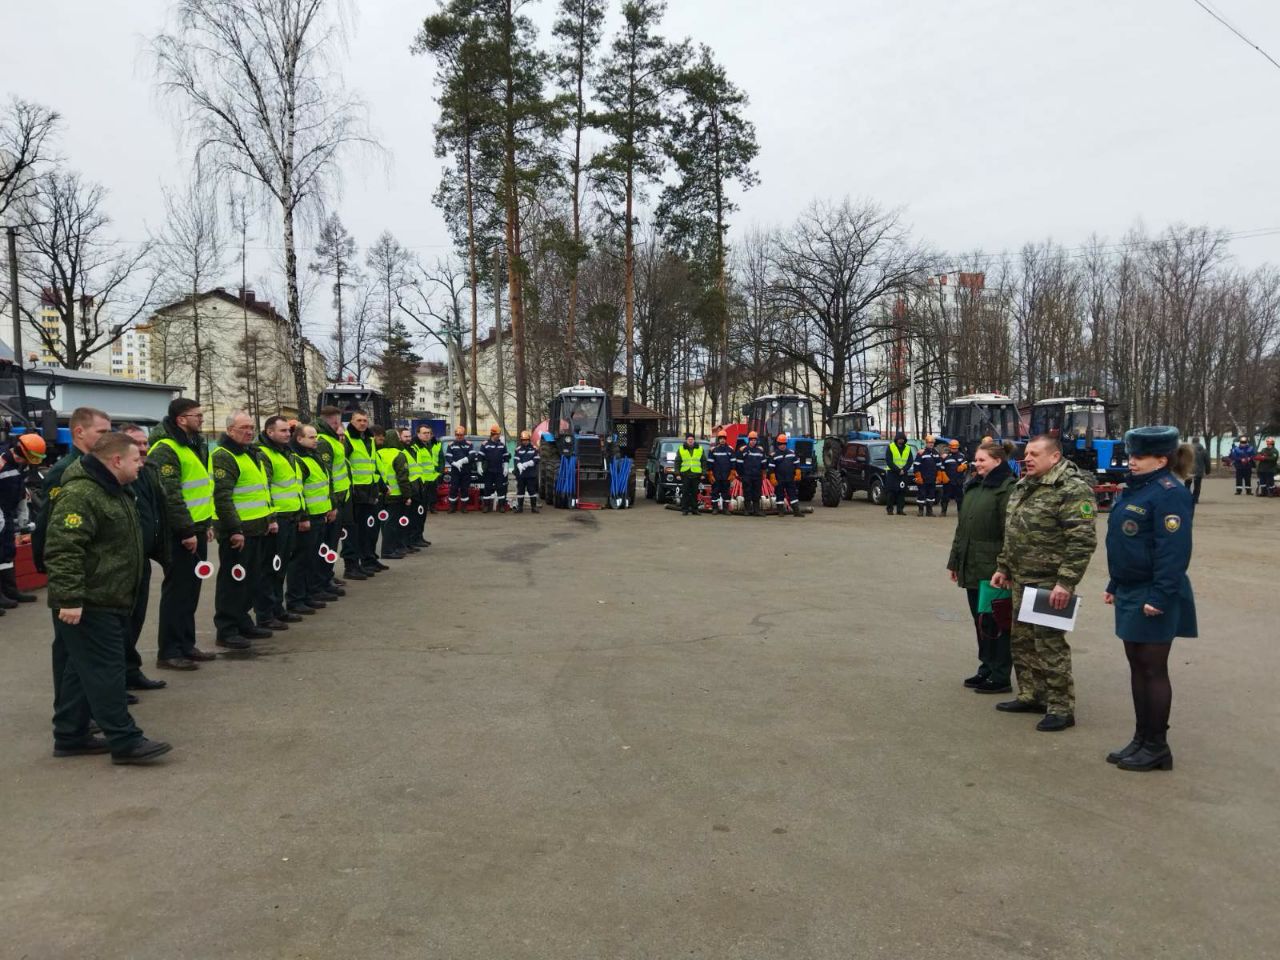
(393, 538)
(928, 494)
(1244, 479)
(179, 598)
(233, 599)
(137, 619)
(268, 593)
(89, 678)
(951, 491)
(417, 518)
(349, 546)
(527, 485)
(430, 493)
(493, 484)
(1193, 484)
(689, 492)
(720, 492)
(459, 487)
(751, 491)
(1266, 483)
(895, 488)
(301, 581)
(365, 520)
(786, 491)
(995, 657)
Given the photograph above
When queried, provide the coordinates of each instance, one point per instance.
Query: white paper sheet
(1035, 609)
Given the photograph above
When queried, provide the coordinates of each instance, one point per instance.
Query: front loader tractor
(581, 466)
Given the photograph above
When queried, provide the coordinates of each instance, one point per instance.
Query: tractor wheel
(831, 450)
(832, 487)
(808, 487)
(875, 492)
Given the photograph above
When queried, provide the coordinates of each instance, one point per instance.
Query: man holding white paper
(1049, 540)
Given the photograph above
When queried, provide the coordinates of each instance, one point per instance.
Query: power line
(1203, 6)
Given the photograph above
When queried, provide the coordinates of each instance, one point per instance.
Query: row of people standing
(279, 505)
(934, 471)
(749, 462)
(494, 462)
(1038, 533)
(1244, 457)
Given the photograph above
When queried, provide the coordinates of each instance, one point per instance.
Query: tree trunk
(337, 298)
(629, 286)
(297, 346)
(473, 280)
(497, 341)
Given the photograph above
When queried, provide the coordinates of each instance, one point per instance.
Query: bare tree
(336, 252)
(261, 97)
(390, 266)
(191, 253)
(26, 132)
(97, 288)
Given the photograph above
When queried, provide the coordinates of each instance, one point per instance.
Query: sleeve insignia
(167, 470)
(53, 493)
(72, 520)
(1087, 509)
(220, 474)
(1172, 522)
(1130, 528)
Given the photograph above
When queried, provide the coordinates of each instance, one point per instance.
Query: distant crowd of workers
(749, 462)
(1245, 458)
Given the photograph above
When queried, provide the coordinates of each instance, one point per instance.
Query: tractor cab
(578, 452)
(977, 415)
(792, 415)
(1083, 426)
(351, 396)
(854, 425)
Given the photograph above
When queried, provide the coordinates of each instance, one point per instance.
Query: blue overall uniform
(1241, 457)
(751, 464)
(13, 491)
(955, 467)
(927, 464)
(721, 462)
(493, 459)
(1148, 550)
(783, 463)
(526, 467)
(459, 457)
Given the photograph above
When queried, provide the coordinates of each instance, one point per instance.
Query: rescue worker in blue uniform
(525, 462)
(493, 459)
(1148, 552)
(720, 462)
(751, 464)
(17, 468)
(927, 464)
(898, 458)
(955, 466)
(460, 459)
(784, 464)
(1241, 457)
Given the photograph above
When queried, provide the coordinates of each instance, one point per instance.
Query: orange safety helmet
(459, 431)
(930, 440)
(494, 430)
(782, 438)
(753, 435)
(31, 448)
(955, 444)
(525, 435)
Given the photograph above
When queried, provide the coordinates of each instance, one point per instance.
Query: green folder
(987, 593)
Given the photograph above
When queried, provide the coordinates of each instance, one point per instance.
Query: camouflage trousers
(1042, 662)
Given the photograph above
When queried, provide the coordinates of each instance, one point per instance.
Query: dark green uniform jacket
(226, 471)
(180, 521)
(980, 529)
(153, 516)
(94, 552)
(49, 492)
(1049, 534)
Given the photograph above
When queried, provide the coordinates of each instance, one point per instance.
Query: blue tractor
(1083, 427)
(852, 425)
(581, 465)
(783, 413)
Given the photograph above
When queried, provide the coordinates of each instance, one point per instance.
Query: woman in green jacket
(979, 537)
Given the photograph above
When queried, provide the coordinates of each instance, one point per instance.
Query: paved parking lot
(603, 735)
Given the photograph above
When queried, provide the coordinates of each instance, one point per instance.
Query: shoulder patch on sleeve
(167, 470)
(53, 493)
(72, 520)
(1087, 509)
(220, 473)
(1167, 483)
(1172, 522)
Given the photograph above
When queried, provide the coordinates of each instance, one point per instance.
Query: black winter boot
(1154, 754)
(795, 510)
(1128, 750)
(9, 587)
(533, 504)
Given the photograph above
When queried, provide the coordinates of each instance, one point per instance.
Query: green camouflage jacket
(1049, 534)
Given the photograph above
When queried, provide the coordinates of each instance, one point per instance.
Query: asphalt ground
(608, 735)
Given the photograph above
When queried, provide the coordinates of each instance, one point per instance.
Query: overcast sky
(991, 123)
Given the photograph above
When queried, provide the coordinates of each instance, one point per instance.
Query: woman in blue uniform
(1148, 551)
